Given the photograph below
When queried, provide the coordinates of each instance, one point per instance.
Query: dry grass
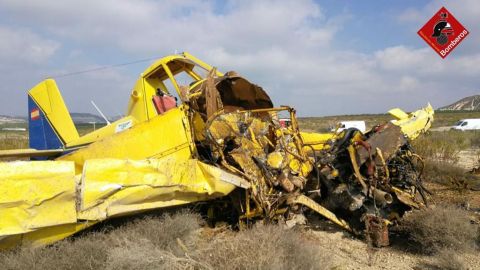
(444, 260)
(86, 253)
(19, 139)
(149, 243)
(265, 247)
(445, 146)
(450, 175)
(449, 260)
(441, 151)
(172, 242)
(13, 140)
(439, 228)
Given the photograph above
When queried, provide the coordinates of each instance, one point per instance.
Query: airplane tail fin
(49, 122)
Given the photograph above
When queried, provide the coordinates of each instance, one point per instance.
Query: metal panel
(35, 195)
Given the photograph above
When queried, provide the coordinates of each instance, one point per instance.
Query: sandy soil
(470, 158)
(351, 253)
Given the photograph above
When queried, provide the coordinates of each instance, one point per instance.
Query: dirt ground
(346, 252)
(352, 253)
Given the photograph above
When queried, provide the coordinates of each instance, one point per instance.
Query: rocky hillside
(465, 104)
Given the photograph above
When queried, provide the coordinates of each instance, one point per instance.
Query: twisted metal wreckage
(223, 143)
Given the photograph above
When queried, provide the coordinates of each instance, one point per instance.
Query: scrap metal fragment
(304, 200)
(376, 231)
(212, 96)
(389, 138)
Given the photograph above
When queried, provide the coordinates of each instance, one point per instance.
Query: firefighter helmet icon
(442, 29)
(443, 32)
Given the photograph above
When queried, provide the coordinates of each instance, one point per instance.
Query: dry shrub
(442, 146)
(172, 242)
(13, 142)
(163, 233)
(264, 247)
(441, 227)
(137, 243)
(83, 253)
(156, 244)
(445, 259)
(475, 140)
(143, 255)
(448, 174)
(449, 260)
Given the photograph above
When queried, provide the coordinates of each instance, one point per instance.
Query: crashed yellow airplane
(220, 142)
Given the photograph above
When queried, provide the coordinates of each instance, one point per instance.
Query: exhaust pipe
(381, 196)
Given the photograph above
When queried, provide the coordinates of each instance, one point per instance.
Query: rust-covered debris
(360, 181)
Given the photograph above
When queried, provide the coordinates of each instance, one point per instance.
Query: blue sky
(322, 57)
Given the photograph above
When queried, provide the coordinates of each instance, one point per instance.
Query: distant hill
(85, 118)
(465, 104)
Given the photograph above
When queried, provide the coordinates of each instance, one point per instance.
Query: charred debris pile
(361, 181)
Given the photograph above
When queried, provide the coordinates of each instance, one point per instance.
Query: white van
(360, 125)
(467, 124)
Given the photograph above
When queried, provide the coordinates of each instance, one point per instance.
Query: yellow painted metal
(147, 163)
(29, 153)
(43, 236)
(155, 76)
(198, 127)
(167, 134)
(353, 158)
(140, 107)
(295, 165)
(115, 127)
(113, 179)
(47, 96)
(398, 113)
(406, 198)
(317, 141)
(304, 200)
(275, 160)
(42, 209)
(201, 63)
(35, 195)
(416, 122)
(172, 79)
(137, 105)
(115, 187)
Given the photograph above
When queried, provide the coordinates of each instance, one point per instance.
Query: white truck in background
(342, 125)
(467, 124)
